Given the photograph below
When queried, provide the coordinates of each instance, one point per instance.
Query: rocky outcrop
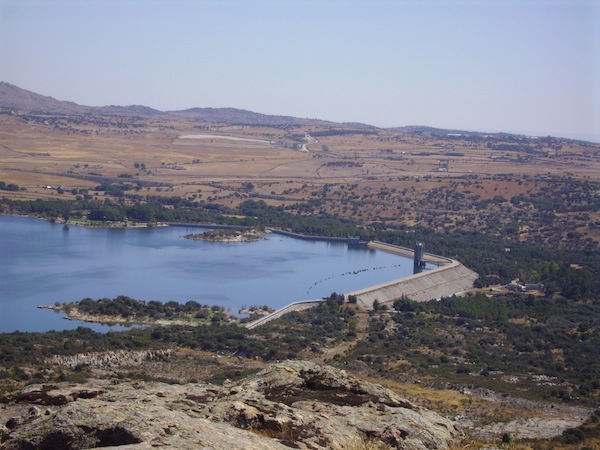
(108, 359)
(291, 404)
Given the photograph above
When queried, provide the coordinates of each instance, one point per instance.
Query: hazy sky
(530, 66)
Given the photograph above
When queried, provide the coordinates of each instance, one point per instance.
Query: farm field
(530, 189)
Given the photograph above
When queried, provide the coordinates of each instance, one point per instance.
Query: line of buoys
(354, 272)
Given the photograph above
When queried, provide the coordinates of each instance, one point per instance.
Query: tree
(377, 306)
(406, 304)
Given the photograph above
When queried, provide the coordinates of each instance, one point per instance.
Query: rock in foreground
(291, 404)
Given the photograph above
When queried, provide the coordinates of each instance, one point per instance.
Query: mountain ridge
(15, 97)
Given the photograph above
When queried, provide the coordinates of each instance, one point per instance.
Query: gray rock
(291, 404)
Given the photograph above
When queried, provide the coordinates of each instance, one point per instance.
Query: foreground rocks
(291, 404)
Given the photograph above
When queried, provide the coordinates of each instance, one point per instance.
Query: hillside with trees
(506, 206)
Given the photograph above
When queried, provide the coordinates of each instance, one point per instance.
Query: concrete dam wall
(450, 277)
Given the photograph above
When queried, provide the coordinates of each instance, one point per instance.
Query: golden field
(398, 177)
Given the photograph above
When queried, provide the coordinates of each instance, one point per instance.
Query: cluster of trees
(127, 307)
(18, 348)
(511, 147)
(229, 339)
(342, 164)
(552, 209)
(8, 186)
(459, 337)
(278, 217)
(568, 196)
(337, 132)
(587, 430)
(496, 263)
(152, 209)
(117, 189)
(50, 209)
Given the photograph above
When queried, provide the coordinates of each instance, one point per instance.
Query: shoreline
(71, 312)
(90, 224)
(110, 224)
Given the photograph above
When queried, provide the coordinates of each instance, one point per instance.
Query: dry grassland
(385, 154)
(372, 175)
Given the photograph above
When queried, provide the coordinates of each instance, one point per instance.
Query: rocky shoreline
(127, 224)
(72, 313)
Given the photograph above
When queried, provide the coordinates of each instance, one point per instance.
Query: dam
(448, 278)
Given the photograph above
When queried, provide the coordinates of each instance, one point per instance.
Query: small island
(228, 235)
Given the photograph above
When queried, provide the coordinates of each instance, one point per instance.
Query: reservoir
(42, 263)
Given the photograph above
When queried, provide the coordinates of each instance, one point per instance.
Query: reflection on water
(44, 263)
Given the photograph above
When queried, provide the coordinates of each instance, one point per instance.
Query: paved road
(296, 306)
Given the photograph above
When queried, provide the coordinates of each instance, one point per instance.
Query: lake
(42, 263)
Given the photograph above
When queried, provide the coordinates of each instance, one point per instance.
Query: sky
(522, 66)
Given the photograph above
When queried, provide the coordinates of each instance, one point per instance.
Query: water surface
(42, 263)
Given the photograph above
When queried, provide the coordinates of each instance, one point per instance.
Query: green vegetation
(548, 346)
(505, 343)
(138, 310)
(17, 348)
(8, 186)
(329, 323)
(588, 430)
(227, 235)
(339, 132)
(530, 346)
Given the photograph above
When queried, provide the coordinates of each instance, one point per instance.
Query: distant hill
(14, 97)
(243, 117)
(420, 129)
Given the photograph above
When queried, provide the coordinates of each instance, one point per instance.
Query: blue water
(42, 263)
